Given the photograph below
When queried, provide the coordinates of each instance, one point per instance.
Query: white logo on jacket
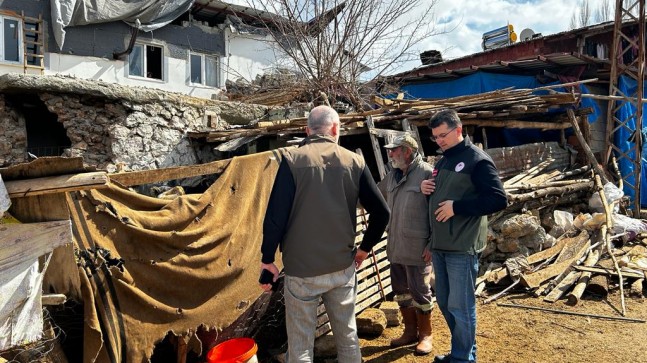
(459, 166)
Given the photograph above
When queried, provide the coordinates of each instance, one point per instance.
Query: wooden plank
(609, 272)
(27, 242)
(413, 129)
(535, 279)
(376, 148)
(53, 299)
(56, 184)
(160, 175)
(563, 286)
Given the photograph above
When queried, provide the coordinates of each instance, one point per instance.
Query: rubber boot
(424, 332)
(410, 334)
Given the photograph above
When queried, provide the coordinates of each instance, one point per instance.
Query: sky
(467, 20)
(461, 23)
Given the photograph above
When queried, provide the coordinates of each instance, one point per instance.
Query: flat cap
(403, 140)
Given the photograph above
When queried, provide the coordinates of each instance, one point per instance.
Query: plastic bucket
(237, 350)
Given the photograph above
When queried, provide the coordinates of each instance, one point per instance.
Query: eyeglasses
(442, 136)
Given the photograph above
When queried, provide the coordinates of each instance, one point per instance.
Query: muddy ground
(519, 335)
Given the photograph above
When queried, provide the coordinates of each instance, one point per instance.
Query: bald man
(311, 215)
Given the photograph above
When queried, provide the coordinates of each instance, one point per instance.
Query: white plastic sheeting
(21, 313)
(146, 15)
(5, 202)
(21, 277)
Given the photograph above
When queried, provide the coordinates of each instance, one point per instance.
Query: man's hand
(271, 267)
(426, 255)
(360, 256)
(445, 211)
(428, 186)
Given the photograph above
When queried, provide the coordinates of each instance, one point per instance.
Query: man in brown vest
(311, 214)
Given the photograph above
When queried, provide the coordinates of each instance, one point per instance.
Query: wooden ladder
(388, 136)
(33, 43)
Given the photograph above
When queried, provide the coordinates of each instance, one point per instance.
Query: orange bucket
(237, 350)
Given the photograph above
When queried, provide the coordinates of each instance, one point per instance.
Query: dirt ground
(520, 335)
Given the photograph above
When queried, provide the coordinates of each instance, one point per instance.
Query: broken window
(146, 61)
(11, 36)
(204, 69)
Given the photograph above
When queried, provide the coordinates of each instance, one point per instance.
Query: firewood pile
(562, 236)
(511, 108)
(274, 89)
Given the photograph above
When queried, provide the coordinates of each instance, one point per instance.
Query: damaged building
(133, 278)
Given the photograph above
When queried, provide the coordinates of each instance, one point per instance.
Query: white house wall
(249, 55)
(176, 73)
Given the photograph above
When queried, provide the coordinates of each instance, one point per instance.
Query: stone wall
(124, 135)
(112, 126)
(13, 144)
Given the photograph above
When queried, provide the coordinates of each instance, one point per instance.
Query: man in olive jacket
(411, 271)
(467, 189)
(311, 215)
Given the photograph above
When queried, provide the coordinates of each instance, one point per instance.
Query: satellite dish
(526, 34)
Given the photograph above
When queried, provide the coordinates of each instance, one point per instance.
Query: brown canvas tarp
(150, 266)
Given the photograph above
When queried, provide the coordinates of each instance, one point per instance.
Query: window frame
(21, 52)
(203, 69)
(144, 62)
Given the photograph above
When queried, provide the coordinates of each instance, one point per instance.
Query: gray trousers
(412, 285)
(338, 291)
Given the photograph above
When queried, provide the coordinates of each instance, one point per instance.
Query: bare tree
(581, 15)
(604, 12)
(333, 42)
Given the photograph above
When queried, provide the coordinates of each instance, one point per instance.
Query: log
(499, 274)
(563, 286)
(535, 170)
(533, 280)
(550, 200)
(637, 288)
(599, 286)
(574, 297)
(559, 183)
(515, 124)
(570, 173)
(56, 184)
(585, 146)
(567, 189)
(609, 272)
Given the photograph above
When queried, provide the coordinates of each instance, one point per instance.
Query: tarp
(624, 141)
(480, 82)
(146, 15)
(150, 266)
(21, 277)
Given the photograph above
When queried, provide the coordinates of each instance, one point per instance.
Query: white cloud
(467, 20)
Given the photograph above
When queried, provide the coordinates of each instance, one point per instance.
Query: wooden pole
(585, 147)
(572, 313)
(607, 237)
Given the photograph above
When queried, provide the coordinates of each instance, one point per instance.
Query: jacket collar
(456, 149)
(400, 177)
(316, 138)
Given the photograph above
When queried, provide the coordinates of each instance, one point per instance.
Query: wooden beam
(53, 299)
(56, 184)
(517, 124)
(587, 150)
(160, 175)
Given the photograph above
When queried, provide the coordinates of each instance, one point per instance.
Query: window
(204, 70)
(11, 34)
(146, 61)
